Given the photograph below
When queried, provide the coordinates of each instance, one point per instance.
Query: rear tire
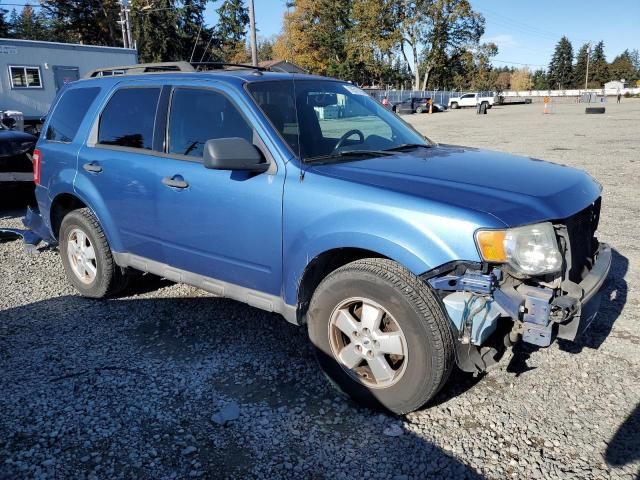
(87, 258)
(407, 312)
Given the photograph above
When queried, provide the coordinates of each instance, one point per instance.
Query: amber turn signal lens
(491, 245)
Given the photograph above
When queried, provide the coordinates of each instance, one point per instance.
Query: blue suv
(302, 195)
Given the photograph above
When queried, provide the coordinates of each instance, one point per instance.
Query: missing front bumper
(539, 314)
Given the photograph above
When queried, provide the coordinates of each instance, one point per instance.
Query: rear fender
(87, 193)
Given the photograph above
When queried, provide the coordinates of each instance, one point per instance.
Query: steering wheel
(347, 135)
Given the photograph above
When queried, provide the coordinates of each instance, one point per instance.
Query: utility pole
(586, 77)
(126, 17)
(123, 25)
(252, 37)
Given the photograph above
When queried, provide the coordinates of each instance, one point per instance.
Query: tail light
(37, 160)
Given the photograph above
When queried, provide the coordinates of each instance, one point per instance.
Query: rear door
(59, 151)
(119, 165)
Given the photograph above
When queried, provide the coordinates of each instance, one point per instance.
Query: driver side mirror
(233, 154)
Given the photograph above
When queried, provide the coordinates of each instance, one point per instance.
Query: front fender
(417, 240)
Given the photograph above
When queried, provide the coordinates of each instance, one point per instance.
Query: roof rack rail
(167, 67)
(199, 66)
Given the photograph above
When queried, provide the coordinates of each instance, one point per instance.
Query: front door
(63, 75)
(222, 224)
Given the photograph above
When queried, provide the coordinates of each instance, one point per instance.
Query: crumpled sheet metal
(35, 232)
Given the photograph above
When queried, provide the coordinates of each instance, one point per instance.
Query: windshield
(322, 119)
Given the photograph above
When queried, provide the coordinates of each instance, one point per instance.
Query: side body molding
(261, 300)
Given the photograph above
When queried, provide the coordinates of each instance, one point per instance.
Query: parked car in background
(470, 100)
(16, 148)
(400, 256)
(416, 105)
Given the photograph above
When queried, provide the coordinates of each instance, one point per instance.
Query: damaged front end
(35, 231)
(493, 306)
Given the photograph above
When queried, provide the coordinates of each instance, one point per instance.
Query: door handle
(92, 167)
(175, 182)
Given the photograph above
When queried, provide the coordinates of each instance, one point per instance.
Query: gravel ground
(169, 382)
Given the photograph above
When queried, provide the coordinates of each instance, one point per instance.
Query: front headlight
(531, 249)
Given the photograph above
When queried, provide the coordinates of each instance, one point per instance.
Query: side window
(128, 119)
(278, 101)
(69, 112)
(25, 77)
(200, 115)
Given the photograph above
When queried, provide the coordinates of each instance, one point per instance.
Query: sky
(525, 31)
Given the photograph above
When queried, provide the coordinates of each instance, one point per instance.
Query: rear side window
(69, 112)
(129, 117)
(201, 115)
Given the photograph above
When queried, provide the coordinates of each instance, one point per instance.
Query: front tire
(380, 335)
(87, 258)
(454, 105)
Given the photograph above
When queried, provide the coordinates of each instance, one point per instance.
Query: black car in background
(416, 105)
(16, 167)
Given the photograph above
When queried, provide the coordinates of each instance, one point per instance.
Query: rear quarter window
(128, 120)
(69, 112)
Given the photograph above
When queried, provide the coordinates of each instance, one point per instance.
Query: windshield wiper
(407, 146)
(348, 154)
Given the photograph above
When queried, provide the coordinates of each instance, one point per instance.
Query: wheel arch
(321, 266)
(61, 205)
(65, 202)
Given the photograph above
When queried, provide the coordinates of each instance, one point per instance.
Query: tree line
(588, 67)
(420, 44)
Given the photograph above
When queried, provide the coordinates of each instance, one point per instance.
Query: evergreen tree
(156, 31)
(4, 24)
(635, 61)
(193, 36)
(28, 25)
(622, 67)
(265, 48)
(598, 67)
(561, 65)
(231, 31)
(580, 68)
(91, 22)
(539, 80)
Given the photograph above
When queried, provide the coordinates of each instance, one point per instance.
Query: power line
(527, 28)
(519, 63)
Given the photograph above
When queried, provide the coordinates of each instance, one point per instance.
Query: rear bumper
(11, 177)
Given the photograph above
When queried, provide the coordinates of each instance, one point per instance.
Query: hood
(516, 190)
